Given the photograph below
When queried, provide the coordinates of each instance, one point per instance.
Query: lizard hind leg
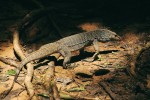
(66, 53)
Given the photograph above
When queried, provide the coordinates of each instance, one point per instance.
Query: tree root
(49, 82)
(19, 52)
(112, 95)
(49, 78)
(50, 18)
(28, 78)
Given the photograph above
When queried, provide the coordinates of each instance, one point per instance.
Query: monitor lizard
(68, 44)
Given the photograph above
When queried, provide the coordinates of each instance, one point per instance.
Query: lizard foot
(89, 59)
(73, 65)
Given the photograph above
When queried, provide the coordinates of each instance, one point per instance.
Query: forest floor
(85, 80)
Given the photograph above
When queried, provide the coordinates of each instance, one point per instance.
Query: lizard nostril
(119, 37)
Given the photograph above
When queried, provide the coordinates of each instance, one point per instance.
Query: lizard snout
(117, 37)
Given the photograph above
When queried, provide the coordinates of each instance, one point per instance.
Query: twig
(49, 82)
(20, 93)
(108, 90)
(69, 96)
(9, 61)
(55, 92)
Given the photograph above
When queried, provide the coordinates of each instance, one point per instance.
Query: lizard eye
(116, 35)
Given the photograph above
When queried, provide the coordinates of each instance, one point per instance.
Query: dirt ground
(84, 80)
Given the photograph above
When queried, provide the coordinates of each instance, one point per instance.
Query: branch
(112, 95)
(9, 61)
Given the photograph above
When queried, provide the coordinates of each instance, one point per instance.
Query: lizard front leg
(66, 53)
(96, 47)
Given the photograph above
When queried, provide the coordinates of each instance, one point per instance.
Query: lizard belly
(78, 46)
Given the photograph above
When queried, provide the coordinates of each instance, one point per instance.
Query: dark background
(112, 11)
(116, 14)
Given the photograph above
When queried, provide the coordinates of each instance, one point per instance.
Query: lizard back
(78, 41)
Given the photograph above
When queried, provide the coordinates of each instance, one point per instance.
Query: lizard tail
(42, 52)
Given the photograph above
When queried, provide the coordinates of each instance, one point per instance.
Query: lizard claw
(65, 67)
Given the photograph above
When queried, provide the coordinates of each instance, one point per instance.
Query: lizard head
(107, 35)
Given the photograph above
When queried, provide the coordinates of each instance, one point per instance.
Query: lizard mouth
(118, 38)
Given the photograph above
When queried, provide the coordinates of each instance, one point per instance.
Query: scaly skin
(71, 43)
